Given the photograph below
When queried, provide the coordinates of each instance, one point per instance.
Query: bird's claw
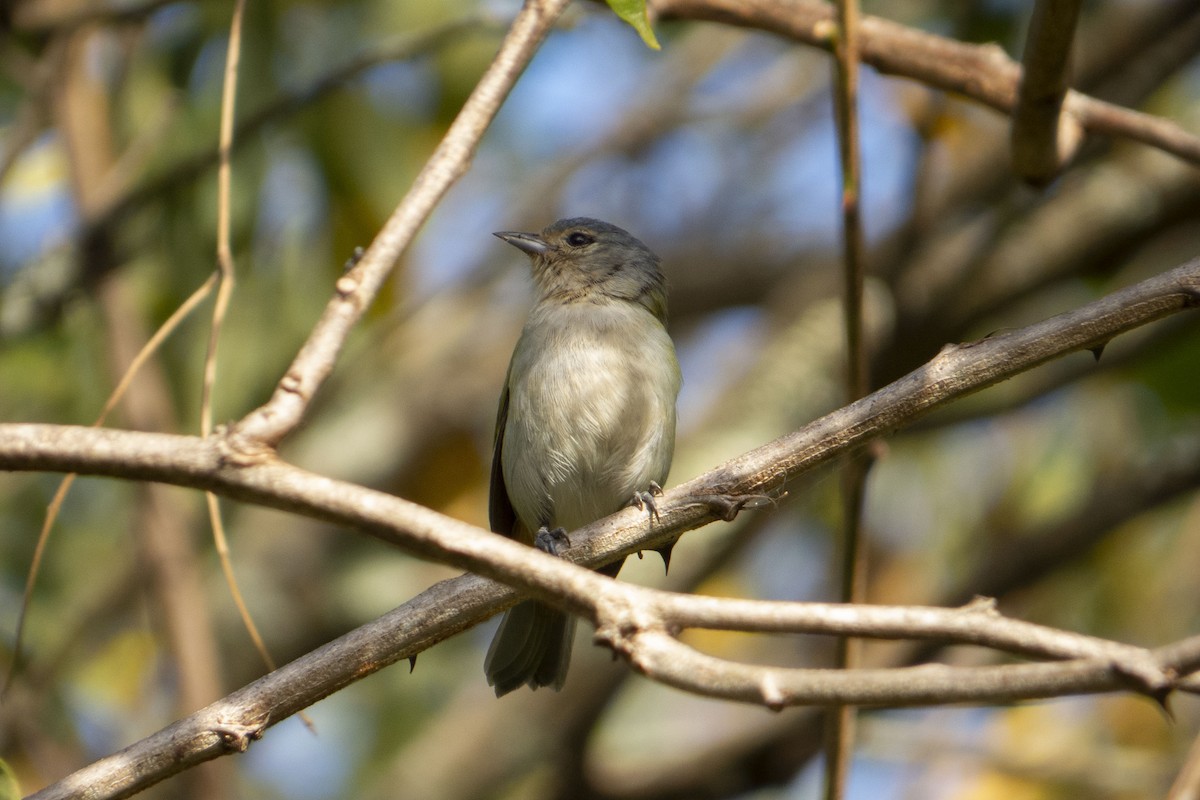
(645, 500)
(551, 541)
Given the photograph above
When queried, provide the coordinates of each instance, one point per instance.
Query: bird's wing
(501, 514)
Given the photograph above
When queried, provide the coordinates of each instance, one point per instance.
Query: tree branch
(1043, 138)
(982, 72)
(623, 614)
(665, 659)
(229, 465)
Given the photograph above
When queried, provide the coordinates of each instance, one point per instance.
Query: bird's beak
(531, 243)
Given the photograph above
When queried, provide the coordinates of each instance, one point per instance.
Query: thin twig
(225, 264)
(355, 290)
(840, 719)
(227, 280)
(667, 660)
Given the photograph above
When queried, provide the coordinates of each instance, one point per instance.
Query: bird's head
(587, 260)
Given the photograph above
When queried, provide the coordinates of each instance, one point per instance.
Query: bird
(586, 423)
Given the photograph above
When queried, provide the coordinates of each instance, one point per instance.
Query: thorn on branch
(727, 506)
(665, 552)
(412, 663)
(1098, 350)
(982, 605)
(237, 736)
(355, 256)
(1191, 293)
(772, 695)
(1164, 702)
(1149, 678)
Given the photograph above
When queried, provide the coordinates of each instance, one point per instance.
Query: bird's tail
(532, 646)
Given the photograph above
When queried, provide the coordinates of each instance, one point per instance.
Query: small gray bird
(587, 417)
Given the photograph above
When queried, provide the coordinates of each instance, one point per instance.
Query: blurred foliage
(718, 151)
(9, 788)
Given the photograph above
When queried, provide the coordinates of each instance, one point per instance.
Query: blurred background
(1069, 493)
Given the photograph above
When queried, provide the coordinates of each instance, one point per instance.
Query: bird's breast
(591, 415)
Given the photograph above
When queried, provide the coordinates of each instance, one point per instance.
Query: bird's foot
(551, 541)
(645, 500)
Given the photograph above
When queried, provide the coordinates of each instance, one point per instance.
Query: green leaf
(634, 12)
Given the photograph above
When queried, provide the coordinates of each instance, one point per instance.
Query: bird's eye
(579, 239)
